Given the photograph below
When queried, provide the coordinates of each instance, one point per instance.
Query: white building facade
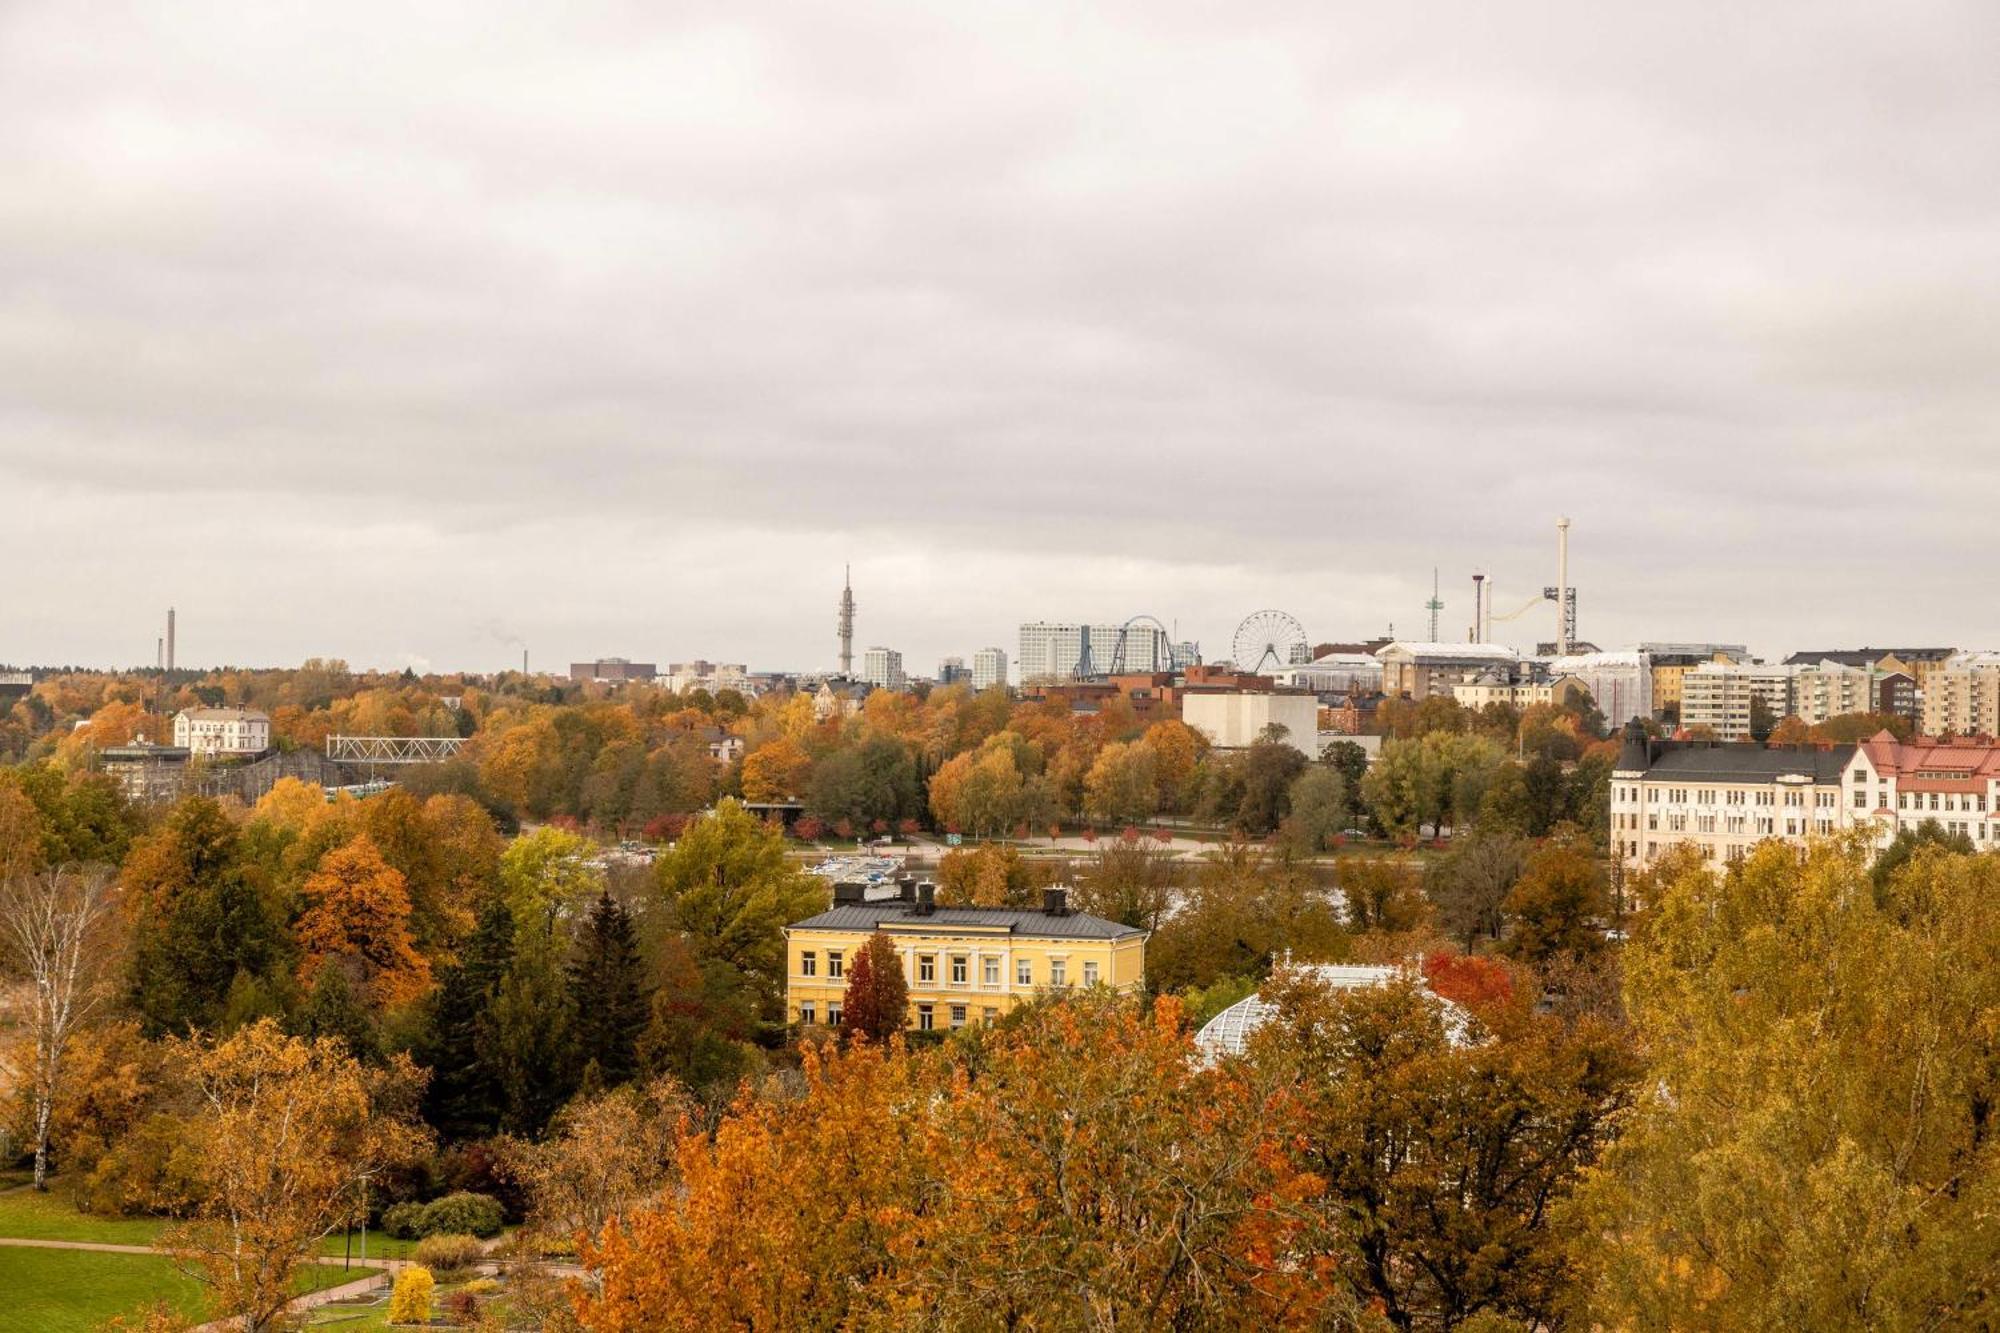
(222, 732)
(1054, 652)
(1620, 683)
(883, 668)
(989, 668)
(1724, 799)
(1234, 719)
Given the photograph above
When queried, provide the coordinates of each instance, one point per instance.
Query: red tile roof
(1960, 763)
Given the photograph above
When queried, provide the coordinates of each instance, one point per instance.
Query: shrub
(448, 1252)
(461, 1307)
(404, 1221)
(481, 1286)
(410, 1302)
(464, 1213)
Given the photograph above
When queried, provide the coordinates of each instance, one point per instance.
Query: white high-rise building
(1052, 652)
(883, 668)
(989, 668)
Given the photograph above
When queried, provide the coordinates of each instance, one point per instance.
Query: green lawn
(73, 1291)
(53, 1217)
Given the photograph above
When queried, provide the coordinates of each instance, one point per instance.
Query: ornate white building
(222, 732)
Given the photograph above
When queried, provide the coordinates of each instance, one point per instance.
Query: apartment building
(1724, 799)
(883, 668)
(1963, 698)
(1051, 651)
(1671, 661)
(989, 668)
(1718, 695)
(964, 965)
(222, 732)
(1895, 785)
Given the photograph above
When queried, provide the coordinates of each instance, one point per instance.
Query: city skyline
(619, 333)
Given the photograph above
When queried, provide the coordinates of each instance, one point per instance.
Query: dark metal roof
(868, 917)
(1703, 761)
(1859, 657)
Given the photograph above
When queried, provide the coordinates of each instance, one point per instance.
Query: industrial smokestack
(1562, 587)
(170, 638)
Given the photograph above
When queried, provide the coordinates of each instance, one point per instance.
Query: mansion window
(833, 963)
(1058, 970)
(1090, 974)
(808, 966)
(926, 967)
(925, 1022)
(1024, 973)
(833, 1015)
(806, 1014)
(958, 969)
(990, 971)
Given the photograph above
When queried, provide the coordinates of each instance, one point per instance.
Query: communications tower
(847, 623)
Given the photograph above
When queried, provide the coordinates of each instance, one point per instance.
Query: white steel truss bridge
(392, 749)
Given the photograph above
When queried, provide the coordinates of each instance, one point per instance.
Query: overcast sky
(413, 333)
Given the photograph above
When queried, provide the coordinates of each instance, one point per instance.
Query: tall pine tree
(466, 1098)
(607, 992)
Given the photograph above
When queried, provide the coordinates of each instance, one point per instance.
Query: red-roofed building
(1901, 784)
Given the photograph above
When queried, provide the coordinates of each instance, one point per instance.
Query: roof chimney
(848, 891)
(906, 889)
(1055, 901)
(926, 898)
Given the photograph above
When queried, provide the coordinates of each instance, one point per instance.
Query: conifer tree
(465, 1095)
(607, 992)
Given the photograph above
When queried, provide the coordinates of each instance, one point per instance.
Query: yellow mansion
(963, 964)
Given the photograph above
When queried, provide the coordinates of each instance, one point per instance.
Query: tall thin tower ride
(1562, 594)
(1435, 604)
(170, 638)
(847, 623)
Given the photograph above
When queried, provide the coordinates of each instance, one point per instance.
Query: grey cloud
(622, 328)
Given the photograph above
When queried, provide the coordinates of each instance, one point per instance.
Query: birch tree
(50, 927)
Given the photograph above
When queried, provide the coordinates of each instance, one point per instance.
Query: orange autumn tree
(1076, 1167)
(359, 918)
(775, 772)
(784, 1220)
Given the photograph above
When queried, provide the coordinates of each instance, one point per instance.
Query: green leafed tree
(729, 889)
(199, 925)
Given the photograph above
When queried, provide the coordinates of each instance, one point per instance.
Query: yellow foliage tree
(410, 1301)
(280, 1136)
(775, 771)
